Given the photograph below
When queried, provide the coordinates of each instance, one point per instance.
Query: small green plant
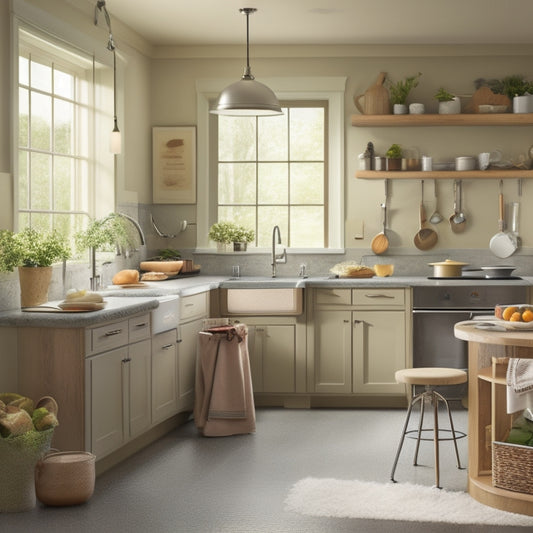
(394, 152)
(167, 254)
(105, 233)
(442, 95)
(512, 86)
(227, 232)
(31, 248)
(400, 90)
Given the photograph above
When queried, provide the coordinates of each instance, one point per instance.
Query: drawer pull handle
(346, 321)
(357, 321)
(113, 332)
(379, 296)
(189, 305)
(141, 325)
(166, 346)
(126, 360)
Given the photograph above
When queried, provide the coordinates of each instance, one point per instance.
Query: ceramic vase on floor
(34, 283)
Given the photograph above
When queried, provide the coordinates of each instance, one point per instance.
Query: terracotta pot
(34, 283)
(447, 269)
(394, 164)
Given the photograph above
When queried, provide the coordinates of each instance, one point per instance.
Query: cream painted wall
(454, 68)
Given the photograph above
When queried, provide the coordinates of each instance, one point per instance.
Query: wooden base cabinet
(358, 338)
(164, 375)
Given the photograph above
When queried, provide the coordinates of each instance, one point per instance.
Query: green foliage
(511, 86)
(442, 95)
(104, 233)
(394, 152)
(31, 248)
(400, 90)
(226, 232)
(167, 254)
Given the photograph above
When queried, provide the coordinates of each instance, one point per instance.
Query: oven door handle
(473, 313)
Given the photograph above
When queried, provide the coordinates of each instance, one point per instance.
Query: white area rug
(393, 501)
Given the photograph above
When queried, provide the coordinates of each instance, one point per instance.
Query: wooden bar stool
(429, 377)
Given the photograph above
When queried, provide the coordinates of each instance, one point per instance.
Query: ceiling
(327, 22)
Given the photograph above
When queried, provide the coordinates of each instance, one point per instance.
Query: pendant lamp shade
(247, 97)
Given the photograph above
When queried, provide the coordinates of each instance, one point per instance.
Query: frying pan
(502, 244)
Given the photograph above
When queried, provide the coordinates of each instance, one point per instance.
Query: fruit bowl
(519, 316)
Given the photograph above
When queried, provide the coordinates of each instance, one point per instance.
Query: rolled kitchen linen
(519, 384)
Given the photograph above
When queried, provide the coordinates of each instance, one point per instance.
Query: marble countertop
(123, 302)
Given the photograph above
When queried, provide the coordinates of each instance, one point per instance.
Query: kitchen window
(310, 178)
(63, 110)
(273, 171)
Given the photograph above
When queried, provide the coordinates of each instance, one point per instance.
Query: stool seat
(431, 376)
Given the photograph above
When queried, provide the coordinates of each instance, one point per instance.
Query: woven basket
(512, 467)
(65, 478)
(18, 457)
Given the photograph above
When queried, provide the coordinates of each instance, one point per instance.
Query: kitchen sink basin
(262, 301)
(260, 282)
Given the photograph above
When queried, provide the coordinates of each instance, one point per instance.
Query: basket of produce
(25, 436)
(512, 461)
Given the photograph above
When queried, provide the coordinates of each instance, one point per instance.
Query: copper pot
(447, 269)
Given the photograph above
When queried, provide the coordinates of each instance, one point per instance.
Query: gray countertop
(124, 302)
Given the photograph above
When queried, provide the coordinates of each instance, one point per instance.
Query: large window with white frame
(273, 171)
(63, 99)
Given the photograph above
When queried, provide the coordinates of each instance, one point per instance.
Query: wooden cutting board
(484, 96)
(376, 98)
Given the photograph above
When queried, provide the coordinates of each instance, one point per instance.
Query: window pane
(307, 183)
(40, 183)
(41, 121)
(307, 134)
(273, 183)
(236, 183)
(24, 112)
(24, 75)
(81, 184)
(236, 138)
(307, 227)
(267, 218)
(63, 84)
(41, 221)
(23, 180)
(41, 76)
(63, 194)
(63, 126)
(273, 138)
(239, 214)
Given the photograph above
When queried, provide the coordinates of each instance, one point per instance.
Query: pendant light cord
(247, 11)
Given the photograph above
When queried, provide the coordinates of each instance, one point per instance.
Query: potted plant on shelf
(241, 236)
(224, 233)
(399, 92)
(449, 104)
(519, 91)
(33, 253)
(394, 157)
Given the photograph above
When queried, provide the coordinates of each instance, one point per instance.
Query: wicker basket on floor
(512, 467)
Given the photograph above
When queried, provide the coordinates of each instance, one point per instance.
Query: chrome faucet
(277, 258)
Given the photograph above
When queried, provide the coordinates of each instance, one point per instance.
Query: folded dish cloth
(519, 384)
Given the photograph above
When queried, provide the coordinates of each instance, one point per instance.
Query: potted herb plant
(224, 233)
(399, 91)
(394, 157)
(241, 236)
(449, 104)
(33, 253)
(519, 91)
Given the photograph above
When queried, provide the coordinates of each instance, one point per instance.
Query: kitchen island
(488, 420)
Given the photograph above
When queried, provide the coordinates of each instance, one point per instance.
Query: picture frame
(174, 164)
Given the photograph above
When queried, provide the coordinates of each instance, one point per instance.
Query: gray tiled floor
(187, 483)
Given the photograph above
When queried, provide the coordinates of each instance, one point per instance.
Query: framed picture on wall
(174, 165)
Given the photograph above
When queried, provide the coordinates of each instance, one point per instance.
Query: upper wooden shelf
(444, 174)
(462, 119)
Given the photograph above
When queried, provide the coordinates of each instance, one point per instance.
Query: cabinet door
(272, 350)
(333, 351)
(187, 363)
(379, 350)
(164, 376)
(108, 373)
(139, 387)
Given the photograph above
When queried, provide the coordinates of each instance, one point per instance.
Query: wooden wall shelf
(442, 174)
(462, 119)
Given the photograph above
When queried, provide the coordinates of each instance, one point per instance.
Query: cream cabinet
(164, 375)
(118, 384)
(357, 339)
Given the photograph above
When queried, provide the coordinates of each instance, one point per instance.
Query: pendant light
(247, 97)
(115, 140)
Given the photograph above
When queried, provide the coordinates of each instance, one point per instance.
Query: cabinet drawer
(193, 306)
(139, 328)
(379, 297)
(108, 337)
(333, 297)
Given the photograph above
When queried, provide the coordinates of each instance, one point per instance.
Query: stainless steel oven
(437, 309)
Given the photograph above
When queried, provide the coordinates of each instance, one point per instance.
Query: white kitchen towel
(519, 384)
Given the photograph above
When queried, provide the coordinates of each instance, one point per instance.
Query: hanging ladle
(425, 238)
(457, 218)
(436, 217)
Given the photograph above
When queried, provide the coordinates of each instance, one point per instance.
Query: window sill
(268, 251)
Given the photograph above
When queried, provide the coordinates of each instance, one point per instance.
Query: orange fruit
(516, 317)
(508, 312)
(527, 315)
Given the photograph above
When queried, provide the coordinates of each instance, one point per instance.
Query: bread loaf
(126, 277)
(154, 276)
(74, 296)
